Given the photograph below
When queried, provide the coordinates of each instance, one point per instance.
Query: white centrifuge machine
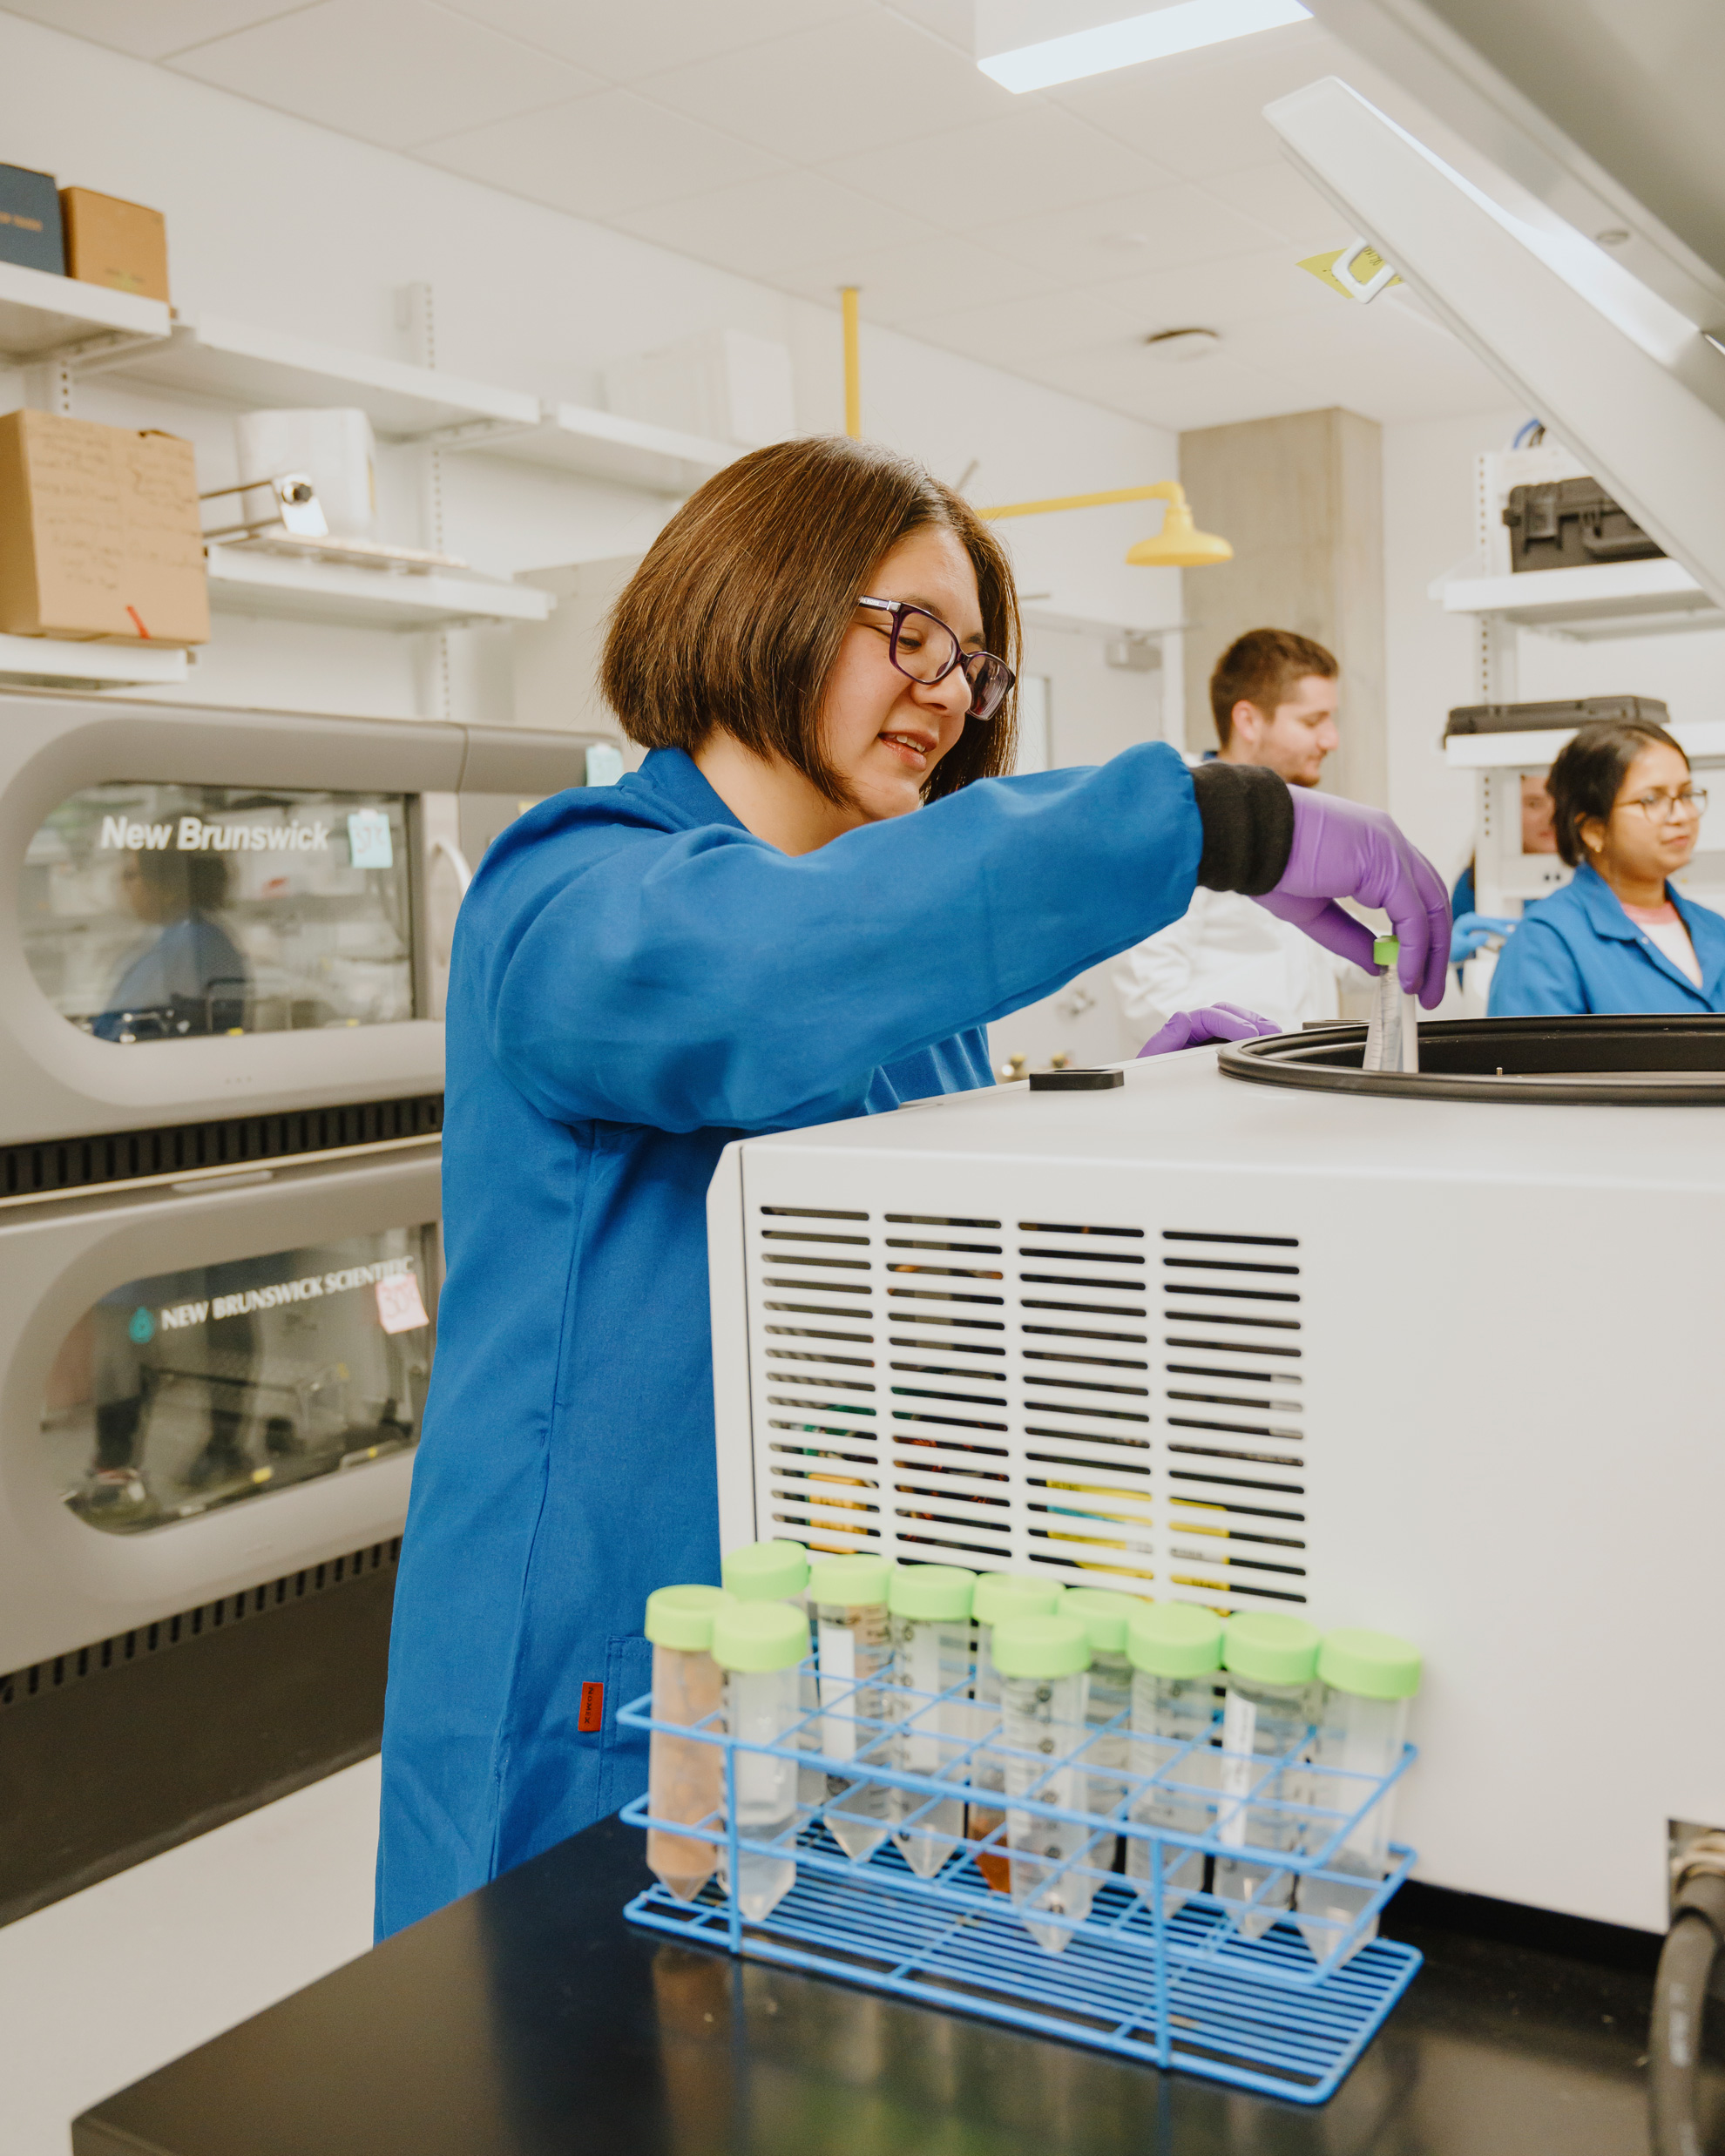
(1430, 1353)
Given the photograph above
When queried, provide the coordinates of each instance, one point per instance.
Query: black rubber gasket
(1597, 1061)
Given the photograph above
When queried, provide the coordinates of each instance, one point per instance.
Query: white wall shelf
(99, 332)
(43, 317)
(282, 588)
(237, 363)
(1608, 600)
(604, 445)
(37, 662)
(1702, 740)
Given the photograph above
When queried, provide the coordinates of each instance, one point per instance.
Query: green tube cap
(1375, 1665)
(754, 1637)
(1105, 1613)
(1174, 1639)
(849, 1582)
(682, 1617)
(1270, 1649)
(1014, 1594)
(1386, 949)
(767, 1571)
(932, 1591)
(1040, 1646)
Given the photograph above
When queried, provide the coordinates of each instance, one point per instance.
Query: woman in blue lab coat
(1618, 937)
(751, 933)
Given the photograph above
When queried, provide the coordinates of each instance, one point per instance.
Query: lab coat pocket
(623, 1753)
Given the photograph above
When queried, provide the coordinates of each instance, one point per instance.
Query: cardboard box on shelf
(118, 244)
(98, 533)
(29, 220)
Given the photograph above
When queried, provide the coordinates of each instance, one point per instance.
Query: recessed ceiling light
(1183, 26)
(1181, 346)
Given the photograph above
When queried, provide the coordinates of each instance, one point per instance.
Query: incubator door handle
(457, 859)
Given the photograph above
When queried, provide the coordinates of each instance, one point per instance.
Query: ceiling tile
(1221, 294)
(1128, 235)
(772, 228)
(151, 32)
(1210, 393)
(600, 155)
(1433, 386)
(837, 91)
(1202, 112)
(953, 20)
(916, 277)
(1035, 159)
(390, 71)
(1384, 360)
(1279, 197)
(1010, 332)
(645, 36)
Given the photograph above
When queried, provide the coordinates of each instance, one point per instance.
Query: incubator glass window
(156, 912)
(197, 1388)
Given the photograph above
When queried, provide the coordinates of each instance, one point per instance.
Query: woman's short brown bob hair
(736, 616)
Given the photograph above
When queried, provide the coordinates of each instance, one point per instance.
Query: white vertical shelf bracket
(1499, 643)
(417, 312)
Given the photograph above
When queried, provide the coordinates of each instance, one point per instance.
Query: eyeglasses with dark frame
(923, 649)
(1660, 808)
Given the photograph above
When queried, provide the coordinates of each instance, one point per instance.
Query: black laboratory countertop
(530, 2020)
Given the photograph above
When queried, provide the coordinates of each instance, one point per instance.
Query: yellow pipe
(853, 367)
(1164, 490)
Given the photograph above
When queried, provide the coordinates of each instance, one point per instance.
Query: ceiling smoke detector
(1183, 346)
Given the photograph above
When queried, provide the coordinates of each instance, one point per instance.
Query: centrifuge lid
(1599, 1061)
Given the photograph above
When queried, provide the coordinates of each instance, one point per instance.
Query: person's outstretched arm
(705, 978)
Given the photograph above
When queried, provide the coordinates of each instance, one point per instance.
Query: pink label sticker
(399, 1307)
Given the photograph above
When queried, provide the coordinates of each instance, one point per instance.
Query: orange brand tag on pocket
(592, 1716)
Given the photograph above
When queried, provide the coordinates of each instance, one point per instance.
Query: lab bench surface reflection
(530, 2020)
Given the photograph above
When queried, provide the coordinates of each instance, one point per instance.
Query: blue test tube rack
(1188, 1991)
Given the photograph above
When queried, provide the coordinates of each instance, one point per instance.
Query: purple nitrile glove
(1215, 1022)
(1341, 850)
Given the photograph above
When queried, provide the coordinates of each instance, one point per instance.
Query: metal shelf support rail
(1186, 1990)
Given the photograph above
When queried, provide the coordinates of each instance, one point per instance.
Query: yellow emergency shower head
(1179, 544)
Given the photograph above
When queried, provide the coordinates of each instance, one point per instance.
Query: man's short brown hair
(736, 616)
(1260, 669)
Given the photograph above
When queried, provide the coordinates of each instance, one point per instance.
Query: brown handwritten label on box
(98, 533)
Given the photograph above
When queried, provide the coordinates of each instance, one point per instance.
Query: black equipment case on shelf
(1567, 711)
(1573, 524)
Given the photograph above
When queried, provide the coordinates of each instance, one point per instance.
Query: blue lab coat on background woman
(1578, 951)
(636, 981)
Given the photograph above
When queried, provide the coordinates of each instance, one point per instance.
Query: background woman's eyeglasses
(923, 647)
(1660, 807)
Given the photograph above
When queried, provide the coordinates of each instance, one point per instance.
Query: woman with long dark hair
(807, 904)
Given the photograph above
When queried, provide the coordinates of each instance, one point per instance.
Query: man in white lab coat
(1274, 695)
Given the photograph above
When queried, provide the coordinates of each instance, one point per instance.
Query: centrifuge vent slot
(1233, 1448)
(1104, 1401)
(814, 1278)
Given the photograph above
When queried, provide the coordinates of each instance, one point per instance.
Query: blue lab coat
(1579, 951)
(636, 980)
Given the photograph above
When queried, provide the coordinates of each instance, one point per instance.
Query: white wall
(1094, 710)
(1432, 664)
(275, 221)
